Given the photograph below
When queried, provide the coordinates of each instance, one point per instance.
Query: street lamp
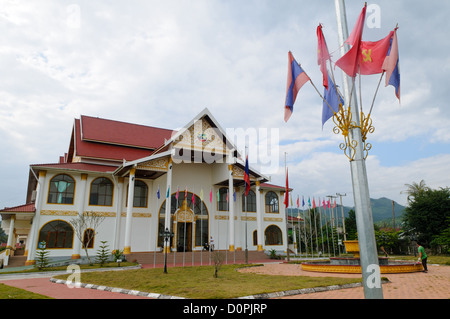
(166, 234)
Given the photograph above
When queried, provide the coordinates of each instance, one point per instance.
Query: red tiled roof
(121, 133)
(29, 208)
(78, 167)
(267, 185)
(106, 151)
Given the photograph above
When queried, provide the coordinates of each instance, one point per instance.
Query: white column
(231, 207)
(127, 248)
(35, 226)
(118, 213)
(259, 217)
(168, 199)
(80, 204)
(10, 243)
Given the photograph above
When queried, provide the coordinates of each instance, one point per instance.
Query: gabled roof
(100, 130)
(98, 138)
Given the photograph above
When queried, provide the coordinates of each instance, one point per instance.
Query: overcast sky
(160, 63)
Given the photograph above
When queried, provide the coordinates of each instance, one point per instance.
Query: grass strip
(199, 282)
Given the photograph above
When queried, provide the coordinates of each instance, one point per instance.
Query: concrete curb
(161, 296)
(113, 289)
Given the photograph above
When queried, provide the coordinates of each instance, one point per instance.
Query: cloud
(159, 63)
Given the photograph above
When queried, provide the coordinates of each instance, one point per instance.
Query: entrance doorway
(184, 236)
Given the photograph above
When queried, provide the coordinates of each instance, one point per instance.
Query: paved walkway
(435, 284)
(432, 285)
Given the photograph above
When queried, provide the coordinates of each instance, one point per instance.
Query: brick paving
(435, 284)
(432, 285)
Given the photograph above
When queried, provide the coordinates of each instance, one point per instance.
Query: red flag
(373, 55)
(314, 203)
(246, 177)
(349, 63)
(298, 201)
(193, 199)
(322, 55)
(286, 195)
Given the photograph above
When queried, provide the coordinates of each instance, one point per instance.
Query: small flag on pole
(286, 194)
(246, 177)
(157, 193)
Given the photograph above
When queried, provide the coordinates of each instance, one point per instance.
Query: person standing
(211, 244)
(422, 256)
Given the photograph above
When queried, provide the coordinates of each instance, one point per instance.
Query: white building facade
(144, 180)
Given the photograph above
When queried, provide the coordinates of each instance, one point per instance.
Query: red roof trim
(28, 208)
(84, 167)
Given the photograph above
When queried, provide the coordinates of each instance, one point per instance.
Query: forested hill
(381, 209)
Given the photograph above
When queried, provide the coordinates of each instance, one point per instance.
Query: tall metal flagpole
(366, 236)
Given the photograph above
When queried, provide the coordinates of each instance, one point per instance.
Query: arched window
(271, 202)
(57, 234)
(88, 238)
(222, 199)
(140, 194)
(61, 190)
(101, 192)
(251, 202)
(273, 235)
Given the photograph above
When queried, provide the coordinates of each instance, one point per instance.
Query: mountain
(381, 210)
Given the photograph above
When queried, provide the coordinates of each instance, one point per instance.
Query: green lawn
(8, 292)
(199, 282)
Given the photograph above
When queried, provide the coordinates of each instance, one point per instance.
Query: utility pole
(343, 218)
(370, 268)
(393, 214)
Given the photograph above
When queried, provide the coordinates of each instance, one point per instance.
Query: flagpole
(286, 208)
(366, 236)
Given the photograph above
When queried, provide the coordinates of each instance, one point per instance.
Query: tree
(350, 225)
(42, 259)
(427, 214)
(415, 189)
(85, 221)
(103, 253)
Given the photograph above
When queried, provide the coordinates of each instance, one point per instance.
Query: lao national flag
(331, 101)
(246, 177)
(296, 78)
(391, 66)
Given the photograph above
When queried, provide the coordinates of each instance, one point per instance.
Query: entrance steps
(16, 261)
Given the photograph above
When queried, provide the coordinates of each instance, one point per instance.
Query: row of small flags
(246, 180)
(364, 58)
